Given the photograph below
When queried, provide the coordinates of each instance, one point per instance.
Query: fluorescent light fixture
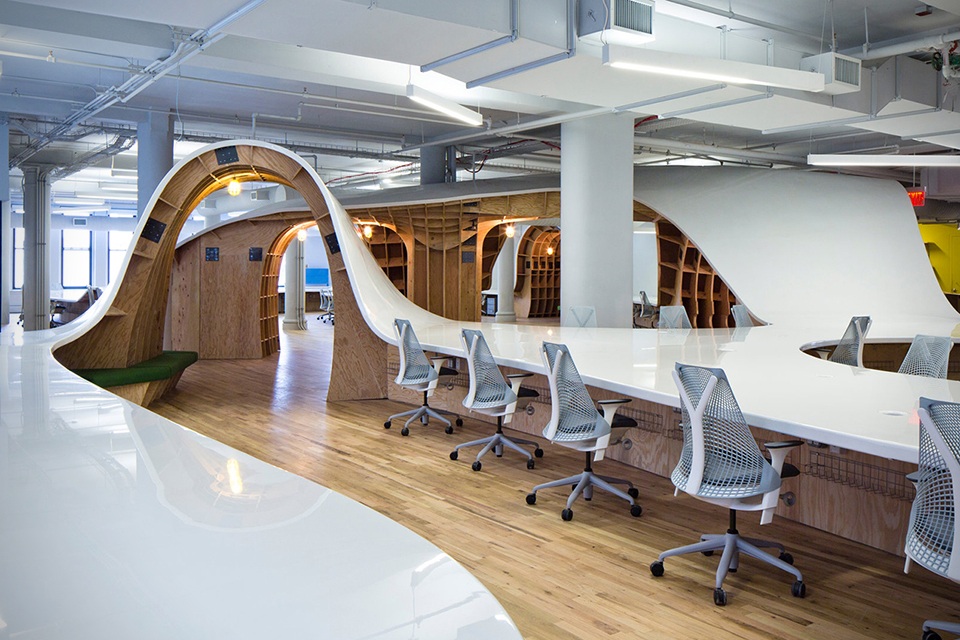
(712, 69)
(444, 106)
(886, 160)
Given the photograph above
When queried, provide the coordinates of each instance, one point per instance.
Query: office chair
(674, 317)
(849, 350)
(932, 540)
(490, 394)
(576, 423)
(580, 317)
(326, 305)
(927, 356)
(419, 373)
(721, 464)
(741, 317)
(644, 312)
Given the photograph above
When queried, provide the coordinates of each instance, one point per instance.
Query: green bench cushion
(166, 365)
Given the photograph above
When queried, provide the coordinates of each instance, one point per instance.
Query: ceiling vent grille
(623, 22)
(79, 222)
(841, 73)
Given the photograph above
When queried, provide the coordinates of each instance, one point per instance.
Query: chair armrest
(515, 380)
(779, 451)
(614, 404)
(914, 477)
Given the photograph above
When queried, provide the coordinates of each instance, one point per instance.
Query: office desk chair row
(575, 422)
(720, 462)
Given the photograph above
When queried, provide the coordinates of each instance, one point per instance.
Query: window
(75, 259)
(119, 242)
(18, 235)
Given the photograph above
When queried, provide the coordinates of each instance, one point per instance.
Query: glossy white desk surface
(117, 523)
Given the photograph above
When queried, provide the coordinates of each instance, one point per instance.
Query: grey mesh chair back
(580, 317)
(720, 458)
(573, 416)
(849, 350)
(674, 317)
(488, 389)
(741, 317)
(927, 356)
(931, 537)
(415, 367)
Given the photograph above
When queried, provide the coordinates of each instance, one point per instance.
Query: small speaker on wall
(256, 254)
(153, 230)
(227, 155)
(332, 243)
(212, 254)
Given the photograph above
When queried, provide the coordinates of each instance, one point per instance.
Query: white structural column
(36, 255)
(154, 154)
(433, 165)
(294, 287)
(596, 218)
(506, 279)
(6, 226)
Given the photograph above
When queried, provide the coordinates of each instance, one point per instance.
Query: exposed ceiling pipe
(569, 53)
(480, 48)
(137, 82)
(869, 52)
(667, 146)
(745, 19)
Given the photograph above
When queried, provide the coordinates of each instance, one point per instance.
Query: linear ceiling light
(444, 106)
(888, 160)
(712, 69)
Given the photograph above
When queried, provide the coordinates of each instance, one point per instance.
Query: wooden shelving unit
(538, 274)
(687, 278)
(388, 249)
(270, 301)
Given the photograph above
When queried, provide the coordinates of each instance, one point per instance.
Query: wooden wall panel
(185, 299)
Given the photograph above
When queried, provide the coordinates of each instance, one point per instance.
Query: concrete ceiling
(328, 78)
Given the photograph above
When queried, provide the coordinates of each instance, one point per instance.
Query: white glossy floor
(117, 523)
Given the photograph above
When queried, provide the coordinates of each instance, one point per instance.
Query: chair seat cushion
(447, 371)
(524, 392)
(621, 421)
(789, 471)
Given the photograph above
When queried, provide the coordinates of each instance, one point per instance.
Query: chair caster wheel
(633, 492)
(454, 455)
(424, 419)
(531, 498)
(405, 431)
(719, 597)
(459, 422)
(530, 464)
(799, 590)
(567, 515)
(448, 429)
(786, 557)
(656, 568)
(636, 510)
(386, 425)
(930, 634)
(707, 553)
(538, 452)
(476, 466)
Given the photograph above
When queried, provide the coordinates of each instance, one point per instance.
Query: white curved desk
(805, 251)
(117, 523)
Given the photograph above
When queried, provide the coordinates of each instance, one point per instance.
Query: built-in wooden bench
(145, 381)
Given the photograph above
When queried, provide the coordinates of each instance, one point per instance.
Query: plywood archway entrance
(132, 329)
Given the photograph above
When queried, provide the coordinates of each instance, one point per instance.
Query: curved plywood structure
(158, 531)
(129, 327)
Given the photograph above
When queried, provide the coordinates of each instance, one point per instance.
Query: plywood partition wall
(132, 330)
(450, 247)
(685, 277)
(223, 296)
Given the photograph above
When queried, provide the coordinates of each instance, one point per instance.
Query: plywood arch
(132, 329)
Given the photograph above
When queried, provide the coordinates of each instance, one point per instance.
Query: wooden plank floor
(588, 578)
